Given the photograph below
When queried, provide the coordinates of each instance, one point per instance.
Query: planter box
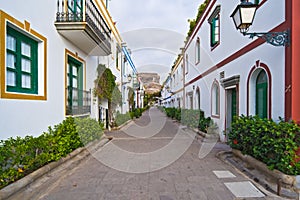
(287, 181)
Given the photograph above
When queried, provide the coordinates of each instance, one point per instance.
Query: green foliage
(130, 97)
(116, 97)
(105, 84)
(21, 156)
(193, 22)
(121, 118)
(151, 98)
(88, 129)
(191, 118)
(275, 144)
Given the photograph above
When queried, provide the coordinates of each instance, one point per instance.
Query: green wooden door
(262, 95)
(233, 103)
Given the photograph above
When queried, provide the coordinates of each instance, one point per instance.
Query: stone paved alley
(189, 177)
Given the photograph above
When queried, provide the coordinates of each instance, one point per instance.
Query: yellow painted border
(4, 17)
(75, 56)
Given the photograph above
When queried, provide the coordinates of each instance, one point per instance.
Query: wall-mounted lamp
(243, 16)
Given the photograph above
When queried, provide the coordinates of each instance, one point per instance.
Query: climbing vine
(105, 83)
(106, 88)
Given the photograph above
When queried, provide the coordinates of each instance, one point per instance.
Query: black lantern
(243, 16)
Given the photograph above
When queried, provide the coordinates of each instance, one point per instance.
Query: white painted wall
(30, 117)
(232, 41)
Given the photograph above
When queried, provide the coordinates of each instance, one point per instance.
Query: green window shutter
(22, 63)
(213, 24)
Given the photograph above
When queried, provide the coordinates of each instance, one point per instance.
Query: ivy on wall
(106, 88)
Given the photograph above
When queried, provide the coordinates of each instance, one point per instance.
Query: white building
(50, 51)
(226, 74)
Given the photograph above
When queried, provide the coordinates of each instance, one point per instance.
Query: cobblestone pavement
(189, 177)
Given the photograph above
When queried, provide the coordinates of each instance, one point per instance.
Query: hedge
(21, 156)
(191, 118)
(275, 144)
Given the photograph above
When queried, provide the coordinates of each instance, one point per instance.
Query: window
(254, 1)
(198, 51)
(78, 100)
(23, 60)
(215, 99)
(186, 64)
(214, 21)
(21, 63)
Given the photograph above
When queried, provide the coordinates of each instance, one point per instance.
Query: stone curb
(275, 175)
(288, 180)
(123, 125)
(30, 178)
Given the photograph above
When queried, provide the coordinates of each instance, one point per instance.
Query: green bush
(122, 118)
(137, 112)
(191, 118)
(88, 129)
(273, 143)
(21, 156)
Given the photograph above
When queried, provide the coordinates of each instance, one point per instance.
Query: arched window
(198, 51)
(215, 99)
(262, 94)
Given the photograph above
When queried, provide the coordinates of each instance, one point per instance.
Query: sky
(154, 30)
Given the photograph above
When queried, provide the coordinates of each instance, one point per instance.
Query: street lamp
(129, 78)
(243, 16)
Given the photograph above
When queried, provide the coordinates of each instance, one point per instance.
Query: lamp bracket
(273, 38)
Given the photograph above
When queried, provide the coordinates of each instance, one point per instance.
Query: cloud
(154, 29)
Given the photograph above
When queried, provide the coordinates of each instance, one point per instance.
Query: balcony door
(75, 9)
(74, 85)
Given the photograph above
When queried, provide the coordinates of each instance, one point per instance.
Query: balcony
(81, 22)
(78, 102)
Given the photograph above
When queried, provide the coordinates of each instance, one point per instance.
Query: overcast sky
(154, 30)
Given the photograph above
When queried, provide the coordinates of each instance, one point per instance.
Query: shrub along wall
(275, 144)
(21, 156)
(122, 118)
(191, 118)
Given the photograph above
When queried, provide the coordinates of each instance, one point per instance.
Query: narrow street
(109, 174)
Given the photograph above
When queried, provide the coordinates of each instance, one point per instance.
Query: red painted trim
(237, 54)
(288, 60)
(293, 88)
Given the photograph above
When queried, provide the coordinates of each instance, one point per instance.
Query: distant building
(150, 82)
(147, 78)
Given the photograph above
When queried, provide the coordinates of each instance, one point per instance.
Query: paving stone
(188, 178)
(224, 174)
(244, 189)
